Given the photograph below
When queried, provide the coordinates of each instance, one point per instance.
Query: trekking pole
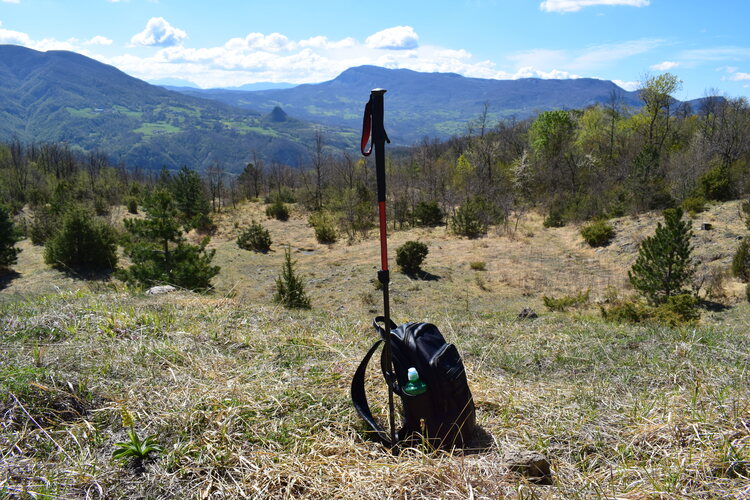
(373, 121)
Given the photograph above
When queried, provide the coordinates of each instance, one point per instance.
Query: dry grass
(252, 401)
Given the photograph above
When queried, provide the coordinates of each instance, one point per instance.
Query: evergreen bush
(554, 219)
(325, 227)
(290, 291)
(410, 256)
(8, 239)
(716, 185)
(471, 218)
(741, 261)
(131, 202)
(664, 265)
(83, 243)
(278, 210)
(255, 238)
(694, 205)
(159, 252)
(598, 233)
(45, 223)
(427, 214)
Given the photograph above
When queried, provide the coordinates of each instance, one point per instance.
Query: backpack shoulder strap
(359, 398)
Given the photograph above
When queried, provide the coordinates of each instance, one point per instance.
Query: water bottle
(414, 387)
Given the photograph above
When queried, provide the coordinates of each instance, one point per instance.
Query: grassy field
(251, 400)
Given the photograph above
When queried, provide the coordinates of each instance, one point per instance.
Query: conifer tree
(189, 197)
(160, 253)
(290, 292)
(8, 238)
(664, 264)
(83, 242)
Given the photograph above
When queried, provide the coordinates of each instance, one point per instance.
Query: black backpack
(444, 415)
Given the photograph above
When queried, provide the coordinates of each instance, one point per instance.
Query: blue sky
(233, 42)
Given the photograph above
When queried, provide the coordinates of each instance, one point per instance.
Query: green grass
(150, 129)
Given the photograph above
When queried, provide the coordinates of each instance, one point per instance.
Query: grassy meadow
(249, 400)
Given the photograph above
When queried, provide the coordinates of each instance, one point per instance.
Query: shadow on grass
(710, 305)
(423, 276)
(7, 278)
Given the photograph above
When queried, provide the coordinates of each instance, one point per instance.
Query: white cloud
(11, 1)
(576, 5)
(664, 66)
(397, 38)
(630, 86)
(14, 37)
(159, 33)
(98, 40)
(739, 76)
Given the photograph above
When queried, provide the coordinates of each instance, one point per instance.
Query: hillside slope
(60, 96)
(425, 104)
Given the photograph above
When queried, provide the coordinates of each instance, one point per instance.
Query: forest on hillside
(600, 162)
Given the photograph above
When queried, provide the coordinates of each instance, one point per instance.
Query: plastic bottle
(415, 386)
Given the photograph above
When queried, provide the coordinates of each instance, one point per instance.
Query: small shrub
(410, 256)
(598, 233)
(554, 219)
(471, 218)
(715, 184)
(255, 238)
(8, 239)
(290, 291)
(478, 265)
(694, 205)
(278, 210)
(202, 223)
(325, 228)
(747, 292)
(46, 223)
(131, 202)
(566, 301)
(675, 311)
(285, 195)
(82, 243)
(101, 207)
(427, 214)
(741, 261)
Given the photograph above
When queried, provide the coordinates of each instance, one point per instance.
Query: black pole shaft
(379, 139)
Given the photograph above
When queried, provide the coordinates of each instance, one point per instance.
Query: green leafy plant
(471, 219)
(427, 214)
(255, 238)
(136, 449)
(554, 219)
(741, 261)
(694, 205)
(410, 256)
(290, 291)
(478, 265)
(566, 301)
(598, 233)
(324, 226)
(278, 210)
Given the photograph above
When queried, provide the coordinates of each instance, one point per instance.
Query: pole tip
(378, 91)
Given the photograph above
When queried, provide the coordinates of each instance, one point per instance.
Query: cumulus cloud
(397, 38)
(664, 66)
(14, 37)
(159, 33)
(576, 5)
(98, 40)
(629, 86)
(739, 76)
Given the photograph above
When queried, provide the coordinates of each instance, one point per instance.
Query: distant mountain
(423, 104)
(263, 86)
(60, 96)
